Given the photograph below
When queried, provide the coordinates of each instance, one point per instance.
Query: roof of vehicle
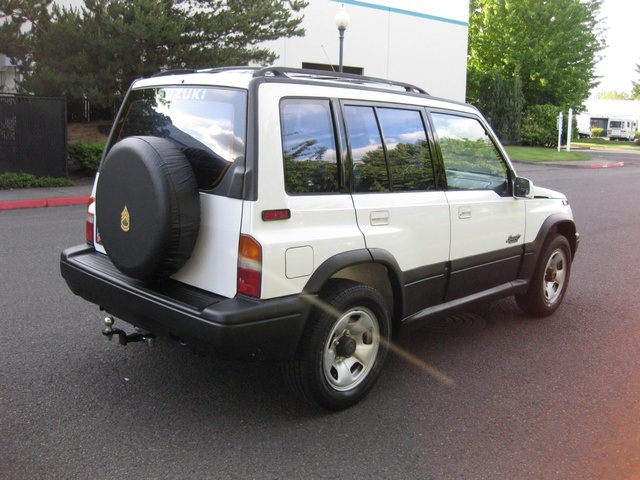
(242, 76)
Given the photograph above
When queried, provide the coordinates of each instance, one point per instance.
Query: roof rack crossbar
(176, 71)
(179, 71)
(334, 76)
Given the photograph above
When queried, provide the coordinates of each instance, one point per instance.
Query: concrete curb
(43, 202)
(607, 165)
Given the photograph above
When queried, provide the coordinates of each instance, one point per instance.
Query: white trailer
(619, 128)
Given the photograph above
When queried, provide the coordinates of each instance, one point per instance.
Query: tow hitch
(124, 338)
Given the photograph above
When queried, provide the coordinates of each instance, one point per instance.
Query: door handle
(379, 217)
(464, 212)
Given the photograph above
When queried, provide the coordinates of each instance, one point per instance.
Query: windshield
(209, 124)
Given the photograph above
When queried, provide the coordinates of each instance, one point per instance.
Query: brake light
(90, 221)
(249, 267)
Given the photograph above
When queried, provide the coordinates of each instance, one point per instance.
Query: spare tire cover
(147, 207)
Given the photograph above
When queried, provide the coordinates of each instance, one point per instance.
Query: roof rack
(304, 73)
(177, 71)
(182, 71)
(229, 69)
(293, 73)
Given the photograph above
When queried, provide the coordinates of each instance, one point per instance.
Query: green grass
(604, 143)
(543, 154)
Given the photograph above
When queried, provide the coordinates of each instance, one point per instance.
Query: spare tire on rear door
(147, 207)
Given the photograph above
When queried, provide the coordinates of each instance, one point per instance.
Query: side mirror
(522, 188)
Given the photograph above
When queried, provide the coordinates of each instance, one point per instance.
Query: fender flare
(557, 222)
(352, 258)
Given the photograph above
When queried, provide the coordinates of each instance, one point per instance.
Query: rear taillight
(90, 221)
(249, 267)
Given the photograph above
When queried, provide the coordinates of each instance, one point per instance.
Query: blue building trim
(358, 3)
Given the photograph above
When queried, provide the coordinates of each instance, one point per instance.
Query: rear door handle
(464, 212)
(379, 217)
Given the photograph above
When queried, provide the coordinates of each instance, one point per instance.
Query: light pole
(342, 20)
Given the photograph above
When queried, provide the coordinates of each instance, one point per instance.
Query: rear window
(209, 124)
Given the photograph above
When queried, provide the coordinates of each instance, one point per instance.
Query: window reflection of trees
(308, 143)
(306, 171)
(409, 164)
(474, 156)
(194, 120)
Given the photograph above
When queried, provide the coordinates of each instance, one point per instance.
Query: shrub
(539, 126)
(11, 180)
(86, 155)
(597, 132)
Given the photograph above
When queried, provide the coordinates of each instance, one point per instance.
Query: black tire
(550, 280)
(343, 347)
(147, 207)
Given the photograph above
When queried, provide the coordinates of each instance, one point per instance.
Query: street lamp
(342, 20)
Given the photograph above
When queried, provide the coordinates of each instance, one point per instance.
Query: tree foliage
(501, 100)
(613, 95)
(635, 92)
(99, 49)
(551, 45)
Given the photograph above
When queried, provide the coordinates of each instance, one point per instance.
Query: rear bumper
(238, 327)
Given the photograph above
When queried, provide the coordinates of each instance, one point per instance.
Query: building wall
(423, 42)
(7, 75)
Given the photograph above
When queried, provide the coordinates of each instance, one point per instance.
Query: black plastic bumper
(234, 327)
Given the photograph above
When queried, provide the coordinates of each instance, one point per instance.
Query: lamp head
(342, 19)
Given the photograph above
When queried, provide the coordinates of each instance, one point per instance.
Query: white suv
(304, 216)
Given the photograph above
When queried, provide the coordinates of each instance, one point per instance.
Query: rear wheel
(550, 280)
(343, 348)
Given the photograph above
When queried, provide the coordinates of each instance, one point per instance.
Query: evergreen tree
(96, 51)
(501, 101)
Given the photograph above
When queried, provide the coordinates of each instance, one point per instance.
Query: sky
(617, 67)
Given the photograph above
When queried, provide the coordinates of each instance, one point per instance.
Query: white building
(423, 42)
(8, 75)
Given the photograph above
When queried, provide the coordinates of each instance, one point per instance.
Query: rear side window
(209, 124)
(390, 150)
(309, 147)
(471, 159)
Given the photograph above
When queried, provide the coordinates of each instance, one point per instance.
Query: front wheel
(550, 279)
(343, 348)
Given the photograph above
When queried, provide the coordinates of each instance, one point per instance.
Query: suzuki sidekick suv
(305, 216)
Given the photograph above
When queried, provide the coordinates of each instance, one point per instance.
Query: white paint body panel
(481, 222)
(415, 229)
(214, 262)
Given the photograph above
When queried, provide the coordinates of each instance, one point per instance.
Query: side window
(369, 163)
(309, 147)
(471, 159)
(407, 150)
(389, 149)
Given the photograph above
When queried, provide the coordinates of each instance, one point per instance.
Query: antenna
(328, 59)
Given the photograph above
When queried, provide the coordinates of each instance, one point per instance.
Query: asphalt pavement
(531, 399)
(75, 195)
